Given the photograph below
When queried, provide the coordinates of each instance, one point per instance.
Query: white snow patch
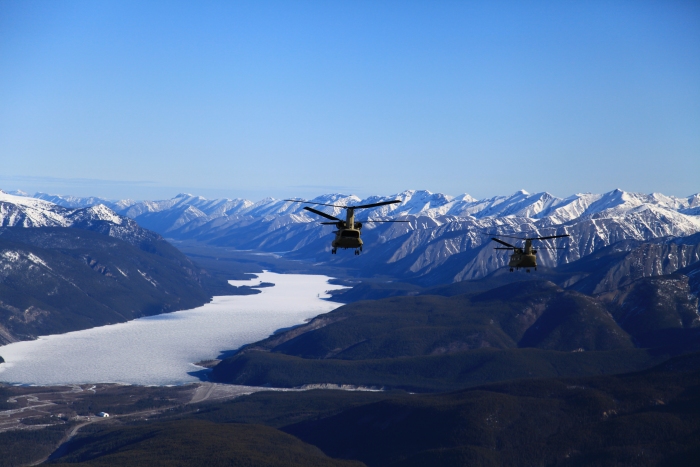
(104, 213)
(160, 350)
(35, 259)
(146, 276)
(11, 256)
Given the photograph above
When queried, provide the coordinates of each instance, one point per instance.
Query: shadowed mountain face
(693, 273)
(59, 279)
(655, 310)
(195, 442)
(431, 342)
(524, 314)
(572, 321)
(627, 261)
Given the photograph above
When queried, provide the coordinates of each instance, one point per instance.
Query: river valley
(161, 350)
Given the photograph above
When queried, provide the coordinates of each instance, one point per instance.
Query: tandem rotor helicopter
(525, 257)
(348, 233)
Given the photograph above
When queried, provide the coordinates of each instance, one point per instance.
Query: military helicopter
(348, 233)
(524, 257)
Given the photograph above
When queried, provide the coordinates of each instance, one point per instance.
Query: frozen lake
(162, 350)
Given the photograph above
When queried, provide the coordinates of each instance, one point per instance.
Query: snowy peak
(30, 212)
(25, 201)
(16, 192)
(99, 212)
(17, 211)
(216, 207)
(618, 202)
(413, 203)
(74, 202)
(520, 203)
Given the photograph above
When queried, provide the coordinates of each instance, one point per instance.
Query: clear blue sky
(297, 98)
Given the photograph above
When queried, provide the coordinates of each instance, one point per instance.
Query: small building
(103, 414)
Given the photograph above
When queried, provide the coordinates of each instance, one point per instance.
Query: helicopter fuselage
(348, 234)
(347, 238)
(524, 257)
(520, 259)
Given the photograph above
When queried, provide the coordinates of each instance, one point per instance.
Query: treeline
(649, 418)
(22, 447)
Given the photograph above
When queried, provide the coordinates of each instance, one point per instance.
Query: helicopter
(524, 257)
(348, 233)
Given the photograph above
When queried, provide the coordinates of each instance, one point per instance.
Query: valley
(163, 349)
(349, 234)
(481, 366)
(67, 269)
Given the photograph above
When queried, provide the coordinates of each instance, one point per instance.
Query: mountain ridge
(447, 239)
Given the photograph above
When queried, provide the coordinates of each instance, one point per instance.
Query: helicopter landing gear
(527, 270)
(357, 252)
(334, 251)
(511, 269)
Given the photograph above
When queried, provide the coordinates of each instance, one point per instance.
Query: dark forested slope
(58, 279)
(649, 418)
(196, 442)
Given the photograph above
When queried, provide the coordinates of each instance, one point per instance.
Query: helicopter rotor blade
(507, 236)
(362, 206)
(322, 214)
(503, 243)
(529, 238)
(364, 222)
(373, 205)
(551, 236)
(313, 202)
(503, 248)
(329, 223)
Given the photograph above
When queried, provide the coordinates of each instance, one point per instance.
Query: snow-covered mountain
(80, 202)
(23, 211)
(64, 269)
(447, 238)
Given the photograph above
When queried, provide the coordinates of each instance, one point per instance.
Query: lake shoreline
(139, 351)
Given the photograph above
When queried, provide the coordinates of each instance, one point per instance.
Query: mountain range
(447, 239)
(64, 269)
(616, 238)
(524, 352)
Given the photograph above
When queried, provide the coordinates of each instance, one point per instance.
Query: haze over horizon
(311, 195)
(143, 101)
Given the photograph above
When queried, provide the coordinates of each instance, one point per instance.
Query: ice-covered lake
(162, 350)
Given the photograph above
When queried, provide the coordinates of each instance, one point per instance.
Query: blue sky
(299, 98)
